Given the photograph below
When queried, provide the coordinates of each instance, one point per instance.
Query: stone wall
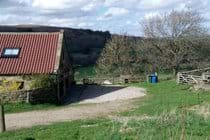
(37, 96)
(19, 96)
(27, 82)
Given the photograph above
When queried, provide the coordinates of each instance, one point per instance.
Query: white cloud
(85, 24)
(151, 3)
(93, 4)
(60, 4)
(111, 2)
(114, 12)
(142, 4)
(49, 4)
(110, 15)
(128, 22)
(151, 15)
(88, 7)
(157, 4)
(62, 22)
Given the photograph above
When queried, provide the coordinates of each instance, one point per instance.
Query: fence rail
(189, 79)
(198, 76)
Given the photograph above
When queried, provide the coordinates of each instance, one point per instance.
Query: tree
(119, 57)
(173, 38)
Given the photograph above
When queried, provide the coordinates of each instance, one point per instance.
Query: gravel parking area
(101, 94)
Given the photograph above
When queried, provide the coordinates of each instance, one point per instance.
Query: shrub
(43, 81)
(9, 86)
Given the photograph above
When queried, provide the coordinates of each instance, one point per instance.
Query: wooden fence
(198, 76)
(189, 79)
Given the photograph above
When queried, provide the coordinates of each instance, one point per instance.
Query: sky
(116, 16)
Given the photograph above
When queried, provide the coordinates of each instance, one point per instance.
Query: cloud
(142, 4)
(113, 15)
(49, 4)
(88, 7)
(157, 4)
(63, 22)
(92, 5)
(60, 4)
(86, 24)
(151, 15)
(114, 12)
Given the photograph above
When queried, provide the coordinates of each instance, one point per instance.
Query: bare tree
(119, 57)
(173, 37)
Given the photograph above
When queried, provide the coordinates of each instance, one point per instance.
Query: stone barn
(25, 54)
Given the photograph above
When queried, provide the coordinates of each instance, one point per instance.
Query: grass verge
(23, 107)
(167, 112)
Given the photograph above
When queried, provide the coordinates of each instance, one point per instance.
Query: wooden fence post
(27, 96)
(2, 119)
(178, 77)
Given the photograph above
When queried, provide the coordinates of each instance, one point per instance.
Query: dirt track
(69, 113)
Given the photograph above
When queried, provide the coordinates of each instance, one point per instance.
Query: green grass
(195, 128)
(165, 76)
(85, 72)
(163, 114)
(23, 107)
(90, 72)
(98, 129)
(167, 96)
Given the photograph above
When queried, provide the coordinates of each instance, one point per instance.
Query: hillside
(84, 45)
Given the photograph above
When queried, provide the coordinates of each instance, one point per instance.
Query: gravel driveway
(104, 100)
(100, 94)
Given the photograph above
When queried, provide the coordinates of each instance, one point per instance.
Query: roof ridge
(57, 32)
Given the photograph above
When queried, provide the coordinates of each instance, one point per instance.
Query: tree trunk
(2, 119)
(175, 71)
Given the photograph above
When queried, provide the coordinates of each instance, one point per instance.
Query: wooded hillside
(84, 45)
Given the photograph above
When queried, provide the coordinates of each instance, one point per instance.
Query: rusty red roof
(39, 53)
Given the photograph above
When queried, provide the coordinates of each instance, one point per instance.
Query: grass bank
(23, 107)
(169, 111)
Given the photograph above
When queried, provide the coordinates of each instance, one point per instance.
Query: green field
(169, 111)
(85, 72)
(23, 107)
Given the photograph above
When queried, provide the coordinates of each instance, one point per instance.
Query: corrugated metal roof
(37, 53)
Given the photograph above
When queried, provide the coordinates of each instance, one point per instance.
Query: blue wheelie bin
(153, 78)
